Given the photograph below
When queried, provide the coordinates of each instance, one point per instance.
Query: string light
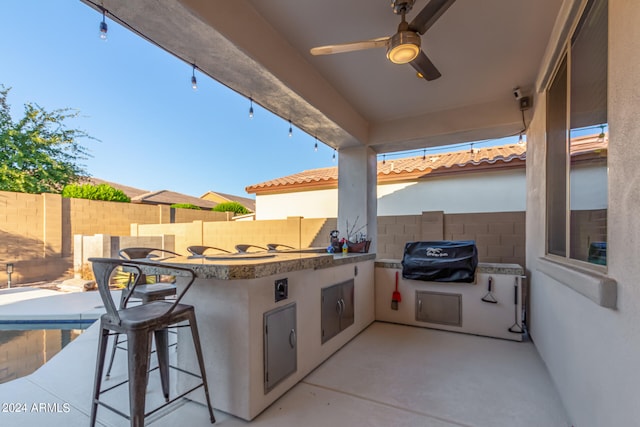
(333, 159)
(601, 135)
(384, 159)
(103, 26)
(424, 155)
(315, 146)
(290, 129)
(251, 108)
(194, 81)
(520, 140)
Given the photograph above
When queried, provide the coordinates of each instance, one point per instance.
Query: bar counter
(236, 297)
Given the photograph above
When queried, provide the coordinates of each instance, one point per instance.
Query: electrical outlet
(281, 289)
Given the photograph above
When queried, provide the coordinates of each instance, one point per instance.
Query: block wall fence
(37, 231)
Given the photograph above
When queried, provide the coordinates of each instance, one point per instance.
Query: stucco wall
(500, 191)
(593, 352)
(308, 204)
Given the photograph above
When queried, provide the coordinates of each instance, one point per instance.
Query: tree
(39, 153)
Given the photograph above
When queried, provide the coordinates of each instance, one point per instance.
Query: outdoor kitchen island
(262, 318)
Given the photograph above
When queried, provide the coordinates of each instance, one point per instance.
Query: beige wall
(593, 352)
(295, 231)
(499, 236)
(36, 230)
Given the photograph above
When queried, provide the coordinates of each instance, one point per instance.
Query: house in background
(131, 192)
(213, 196)
(160, 197)
(473, 180)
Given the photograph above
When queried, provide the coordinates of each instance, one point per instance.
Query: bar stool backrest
(103, 268)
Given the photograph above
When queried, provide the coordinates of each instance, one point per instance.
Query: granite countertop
(260, 264)
(483, 267)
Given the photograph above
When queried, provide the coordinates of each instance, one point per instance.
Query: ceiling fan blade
(425, 67)
(350, 47)
(429, 15)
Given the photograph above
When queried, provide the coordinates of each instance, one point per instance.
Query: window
(577, 138)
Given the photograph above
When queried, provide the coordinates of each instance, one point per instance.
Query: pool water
(24, 351)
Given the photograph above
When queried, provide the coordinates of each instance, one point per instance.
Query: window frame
(564, 56)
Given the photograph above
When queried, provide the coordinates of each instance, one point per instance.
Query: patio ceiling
(260, 48)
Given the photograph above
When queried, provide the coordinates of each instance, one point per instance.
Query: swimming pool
(28, 346)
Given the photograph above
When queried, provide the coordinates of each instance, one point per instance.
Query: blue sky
(155, 132)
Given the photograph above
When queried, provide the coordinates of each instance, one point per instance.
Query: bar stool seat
(146, 315)
(138, 323)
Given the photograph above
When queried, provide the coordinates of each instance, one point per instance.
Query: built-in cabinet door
(439, 307)
(331, 307)
(346, 296)
(280, 345)
(337, 308)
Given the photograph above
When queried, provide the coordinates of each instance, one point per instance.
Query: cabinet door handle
(338, 307)
(292, 338)
(419, 306)
(344, 306)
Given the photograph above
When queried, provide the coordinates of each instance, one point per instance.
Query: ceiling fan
(404, 46)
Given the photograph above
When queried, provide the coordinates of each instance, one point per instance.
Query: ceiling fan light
(404, 47)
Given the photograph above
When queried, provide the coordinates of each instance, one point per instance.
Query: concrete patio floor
(389, 375)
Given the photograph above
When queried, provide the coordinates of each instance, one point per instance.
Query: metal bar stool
(198, 251)
(142, 291)
(138, 323)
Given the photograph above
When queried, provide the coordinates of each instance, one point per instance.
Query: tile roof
(406, 168)
(167, 197)
(432, 164)
(160, 197)
(129, 191)
(422, 167)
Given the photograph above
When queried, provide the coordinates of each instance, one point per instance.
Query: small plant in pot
(357, 241)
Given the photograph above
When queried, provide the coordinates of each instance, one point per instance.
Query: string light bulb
(333, 159)
(384, 159)
(194, 81)
(290, 129)
(424, 155)
(251, 108)
(315, 146)
(103, 26)
(601, 135)
(520, 140)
